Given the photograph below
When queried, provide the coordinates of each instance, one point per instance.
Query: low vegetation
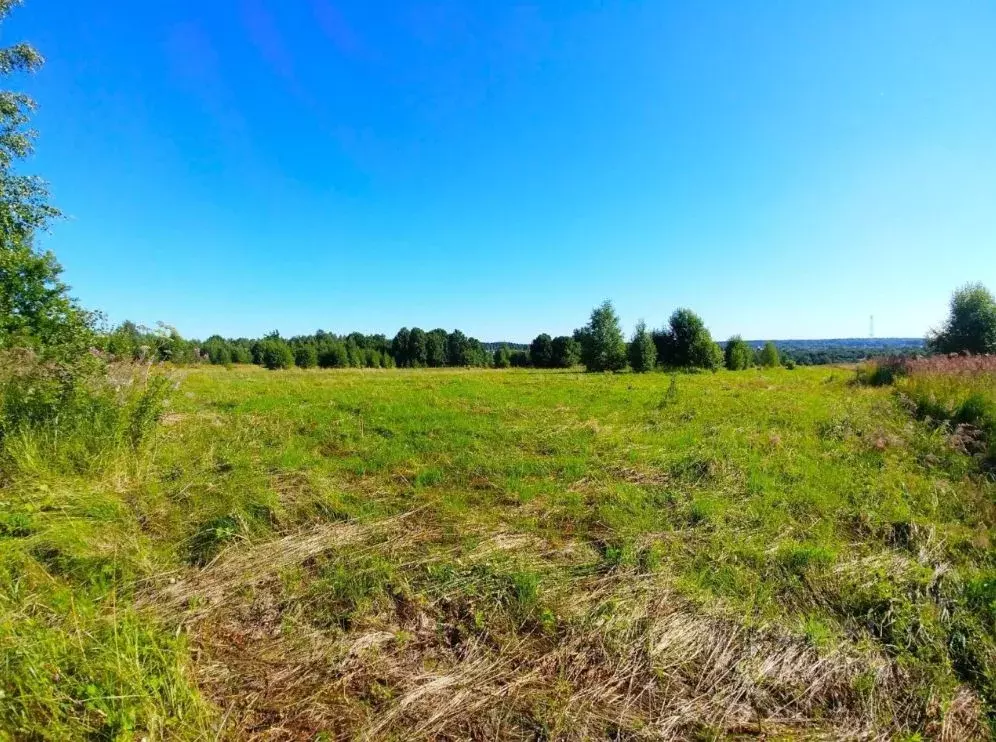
(218, 552)
(957, 392)
(468, 553)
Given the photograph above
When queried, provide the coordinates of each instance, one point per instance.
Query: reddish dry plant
(953, 364)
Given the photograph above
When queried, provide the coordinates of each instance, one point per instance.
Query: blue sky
(786, 169)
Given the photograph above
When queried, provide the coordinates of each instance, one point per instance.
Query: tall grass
(957, 390)
(77, 660)
(54, 419)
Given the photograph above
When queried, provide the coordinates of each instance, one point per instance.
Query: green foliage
(541, 351)
(456, 349)
(503, 358)
(519, 359)
(642, 351)
(400, 347)
(276, 354)
(767, 357)
(417, 354)
(306, 356)
(602, 345)
(686, 343)
(971, 325)
(737, 354)
(705, 354)
(333, 355)
(36, 310)
(436, 348)
(566, 352)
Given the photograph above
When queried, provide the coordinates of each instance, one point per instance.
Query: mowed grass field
(505, 555)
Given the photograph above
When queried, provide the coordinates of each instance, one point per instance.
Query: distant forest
(417, 348)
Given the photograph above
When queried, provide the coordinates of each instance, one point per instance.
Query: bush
(566, 352)
(276, 354)
(737, 355)
(305, 356)
(333, 356)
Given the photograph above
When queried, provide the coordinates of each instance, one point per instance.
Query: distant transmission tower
(871, 327)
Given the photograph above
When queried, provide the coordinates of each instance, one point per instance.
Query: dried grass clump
(624, 657)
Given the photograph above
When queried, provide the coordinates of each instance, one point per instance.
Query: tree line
(600, 345)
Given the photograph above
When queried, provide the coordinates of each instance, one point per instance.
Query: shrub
(276, 354)
(240, 353)
(642, 351)
(306, 356)
(566, 352)
(737, 355)
(333, 356)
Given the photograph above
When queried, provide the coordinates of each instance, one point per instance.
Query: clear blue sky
(784, 168)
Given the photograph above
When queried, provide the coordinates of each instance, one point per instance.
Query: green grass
(959, 399)
(465, 526)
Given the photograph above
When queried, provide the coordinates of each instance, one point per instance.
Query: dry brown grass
(627, 658)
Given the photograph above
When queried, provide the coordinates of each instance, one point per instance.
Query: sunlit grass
(537, 509)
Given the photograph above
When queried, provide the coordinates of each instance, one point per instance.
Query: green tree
(218, 351)
(125, 342)
(276, 354)
(333, 355)
(456, 349)
(519, 359)
(435, 348)
(417, 348)
(400, 347)
(686, 343)
(36, 310)
(306, 356)
(971, 323)
(705, 353)
(503, 358)
(241, 353)
(566, 352)
(768, 357)
(642, 351)
(602, 345)
(737, 355)
(541, 351)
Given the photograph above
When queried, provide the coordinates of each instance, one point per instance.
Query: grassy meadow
(523, 554)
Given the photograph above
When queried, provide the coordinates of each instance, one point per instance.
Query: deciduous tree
(971, 323)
